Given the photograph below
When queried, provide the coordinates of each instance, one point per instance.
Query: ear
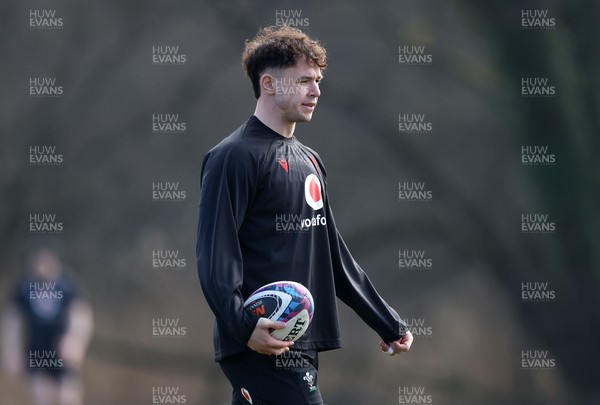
(267, 84)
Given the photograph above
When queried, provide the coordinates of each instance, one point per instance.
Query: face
(45, 264)
(297, 91)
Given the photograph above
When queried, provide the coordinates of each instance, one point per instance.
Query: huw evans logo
(292, 223)
(537, 360)
(45, 224)
(44, 360)
(291, 360)
(44, 290)
(168, 55)
(168, 327)
(537, 156)
(287, 86)
(290, 18)
(44, 20)
(168, 124)
(414, 395)
(537, 19)
(167, 395)
(537, 87)
(413, 55)
(418, 327)
(168, 191)
(168, 260)
(537, 223)
(44, 155)
(414, 124)
(44, 87)
(536, 291)
(414, 260)
(414, 191)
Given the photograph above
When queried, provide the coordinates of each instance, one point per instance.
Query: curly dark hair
(278, 47)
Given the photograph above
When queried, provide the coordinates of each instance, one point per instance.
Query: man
(265, 216)
(46, 329)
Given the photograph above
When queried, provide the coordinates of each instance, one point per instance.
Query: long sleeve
(355, 289)
(229, 178)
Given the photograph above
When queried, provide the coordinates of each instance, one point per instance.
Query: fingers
(406, 341)
(273, 346)
(279, 344)
(403, 345)
(262, 342)
(265, 323)
(384, 346)
(279, 352)
(398, 346)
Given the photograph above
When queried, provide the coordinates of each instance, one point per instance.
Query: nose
(314, 90)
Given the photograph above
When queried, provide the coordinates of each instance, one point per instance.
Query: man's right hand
(262, 342)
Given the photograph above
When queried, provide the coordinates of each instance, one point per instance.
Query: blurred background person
(46, 329)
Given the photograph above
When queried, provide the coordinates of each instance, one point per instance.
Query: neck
(268, 116)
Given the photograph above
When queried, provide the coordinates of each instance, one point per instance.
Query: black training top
(265, 217)
(45, 308)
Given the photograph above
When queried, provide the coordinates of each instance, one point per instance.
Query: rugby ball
(283, 301)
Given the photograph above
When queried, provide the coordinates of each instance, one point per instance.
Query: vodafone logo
(312, 192)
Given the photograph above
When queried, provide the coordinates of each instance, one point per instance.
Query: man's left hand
(401, 345)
